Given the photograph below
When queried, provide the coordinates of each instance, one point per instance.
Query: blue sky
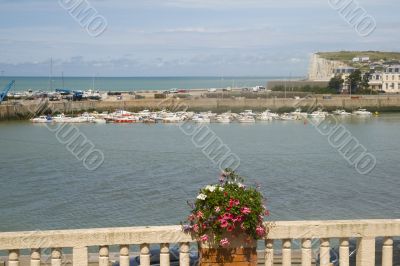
(185, 37)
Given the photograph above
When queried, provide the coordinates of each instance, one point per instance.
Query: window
(390, 70)
(396, 70)
(387, 86)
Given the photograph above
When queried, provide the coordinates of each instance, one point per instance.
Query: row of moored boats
(146, 116)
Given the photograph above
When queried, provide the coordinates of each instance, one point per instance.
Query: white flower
(210, 188)
(240, 185)
(221, 189)
(201, 196)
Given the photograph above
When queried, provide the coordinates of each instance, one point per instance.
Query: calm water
(133, 83)
(151, 170)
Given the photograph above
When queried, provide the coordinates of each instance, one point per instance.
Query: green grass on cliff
(347, 56)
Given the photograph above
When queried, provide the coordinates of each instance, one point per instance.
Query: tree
(336, 84)
(354, 81)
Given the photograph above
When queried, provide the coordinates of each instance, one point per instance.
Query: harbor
(145, 116)
(375, 103)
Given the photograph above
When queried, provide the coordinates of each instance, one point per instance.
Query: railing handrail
(174, 234)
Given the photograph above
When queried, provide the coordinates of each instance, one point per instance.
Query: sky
(184, 37)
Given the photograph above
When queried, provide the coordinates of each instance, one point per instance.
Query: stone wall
(372, 103)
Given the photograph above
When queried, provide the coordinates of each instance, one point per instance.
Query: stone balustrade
(304, 232)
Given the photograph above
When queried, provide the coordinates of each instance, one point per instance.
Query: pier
(279, 247)
(380, 103)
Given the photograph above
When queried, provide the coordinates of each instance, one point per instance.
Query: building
(375, 81)
(362, 59)
(391, 79)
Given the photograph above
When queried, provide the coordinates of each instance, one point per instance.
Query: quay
(279, 247)
(28, 109)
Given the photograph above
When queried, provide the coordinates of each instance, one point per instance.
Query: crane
(6, 89)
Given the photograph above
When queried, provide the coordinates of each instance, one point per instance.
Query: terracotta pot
(241, 252)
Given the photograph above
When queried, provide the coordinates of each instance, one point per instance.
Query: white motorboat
(299, 114)
(201, 119)
(318, 114)
(246, 119)
(288, 117)
(362, 112)
(248, 113)
(224, 118)
(42, 119)
(268, 116)
(100, 121)
(61, 118)
(341, 112)
(172, 118)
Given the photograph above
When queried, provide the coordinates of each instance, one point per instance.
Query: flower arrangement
(227, 208)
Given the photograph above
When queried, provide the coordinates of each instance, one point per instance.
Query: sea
(151, 171)
(133, 83)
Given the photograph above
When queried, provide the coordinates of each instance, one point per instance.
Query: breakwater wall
(28, 109)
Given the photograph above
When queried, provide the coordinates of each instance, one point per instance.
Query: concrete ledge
(174, 234)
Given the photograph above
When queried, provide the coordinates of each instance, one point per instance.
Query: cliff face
(321, 69)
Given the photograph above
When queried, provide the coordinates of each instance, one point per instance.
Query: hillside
(347, 56)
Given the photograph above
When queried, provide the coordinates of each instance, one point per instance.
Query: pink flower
(204, 238)
(230, 228)
(267, 213)
(191, 217)
(227, 216)
(260, 231)
(224, 223)
(224, 242)
(246, 210)
(233, 202)
(200, 214)
(196, 228)
(217, 209)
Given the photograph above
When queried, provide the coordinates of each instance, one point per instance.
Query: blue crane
(6, 89)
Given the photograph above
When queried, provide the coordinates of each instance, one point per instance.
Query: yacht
(299, 114)
(341, 112)
(318, 114)
(61, 118)
(288, 117)
(42, 119)
(172, 118)
(362, 112)
(224, 118)
(246, 119)
(268, 116)
(248, 113)
(201, 119)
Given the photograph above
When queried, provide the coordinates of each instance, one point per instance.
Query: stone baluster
(35, 257)
(56, 257)
(286, 252)
(344, 252)
(269, 252)
(306, 252)
(164, 254)
(184, 256)
(365, 255)
(145, 255)
(103, 256)
(13, 257)
(387, 252)
(324, 252)
(80, 256)
(124, 255)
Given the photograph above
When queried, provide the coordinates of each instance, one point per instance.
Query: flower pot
(242, 251)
